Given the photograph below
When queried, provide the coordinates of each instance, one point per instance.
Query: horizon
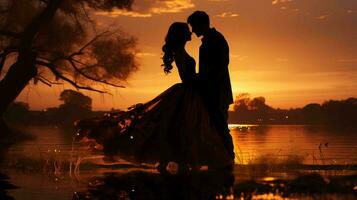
(89, 110)
(230, 108)
(290, 52)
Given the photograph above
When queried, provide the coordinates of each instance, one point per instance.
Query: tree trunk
(24, 69)
(16, 79)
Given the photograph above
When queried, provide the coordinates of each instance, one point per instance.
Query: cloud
(227, 14)
(274, 2)
(322, 17)
(219, 0)
(146, 54)
(347, 60)
(116, 13)
(285, 5)
(146, 8)
(172, 6)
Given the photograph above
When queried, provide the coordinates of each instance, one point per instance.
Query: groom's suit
(215, 83)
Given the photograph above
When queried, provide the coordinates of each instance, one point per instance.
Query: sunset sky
(292, 52)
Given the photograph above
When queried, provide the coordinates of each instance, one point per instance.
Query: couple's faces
(197, 29)
(188, 35)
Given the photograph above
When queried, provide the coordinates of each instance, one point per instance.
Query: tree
(75, 106)
(57, 41)
(258, 103)
(314, 113)
(76, 99)
(241, 102)
(341, 113)
(247, 110)
(17, 112)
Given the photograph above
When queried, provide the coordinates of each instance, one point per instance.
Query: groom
(214, 81)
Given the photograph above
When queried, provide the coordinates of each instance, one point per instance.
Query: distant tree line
(246, 110)
(336, 113)
(75, 106)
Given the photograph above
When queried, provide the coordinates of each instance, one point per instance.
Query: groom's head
(199, 22)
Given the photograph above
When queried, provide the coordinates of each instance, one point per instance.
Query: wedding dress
(174, 126)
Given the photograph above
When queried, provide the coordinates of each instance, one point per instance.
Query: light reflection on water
(253, 145)
(295, 144)
(313, 145)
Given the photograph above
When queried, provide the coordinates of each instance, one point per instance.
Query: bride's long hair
(175, 36)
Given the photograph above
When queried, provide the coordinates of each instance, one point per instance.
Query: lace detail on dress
(174, 126)
(125, 132)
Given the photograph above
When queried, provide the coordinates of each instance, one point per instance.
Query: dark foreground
(40, 169)
(216, 185)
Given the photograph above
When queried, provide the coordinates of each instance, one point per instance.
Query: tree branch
(73, 62)
(80, 51)
(46, 81)
(42, 81)
(37, 23)
(52, 67)
(84, 10)
(89, 77)
(4, 54)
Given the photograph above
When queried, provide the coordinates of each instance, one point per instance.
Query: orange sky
(292, 52)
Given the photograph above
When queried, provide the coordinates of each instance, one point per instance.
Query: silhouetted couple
(185, 127)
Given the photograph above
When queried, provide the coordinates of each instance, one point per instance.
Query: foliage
(70, 46)
(75, 106)
(341, 113)
(338, 113)
(75, 99)
(247, 109)
(18, 112)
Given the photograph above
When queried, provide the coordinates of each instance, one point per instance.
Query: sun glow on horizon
(301, 54)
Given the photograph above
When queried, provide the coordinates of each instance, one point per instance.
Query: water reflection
(296, 144)
(215, 185)
(267, 153)
(8, 138)
(144, 185)
(5, 185)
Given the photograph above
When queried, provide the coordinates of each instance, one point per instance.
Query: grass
(58, 164)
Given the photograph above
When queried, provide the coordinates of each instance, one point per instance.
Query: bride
(173, 129)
